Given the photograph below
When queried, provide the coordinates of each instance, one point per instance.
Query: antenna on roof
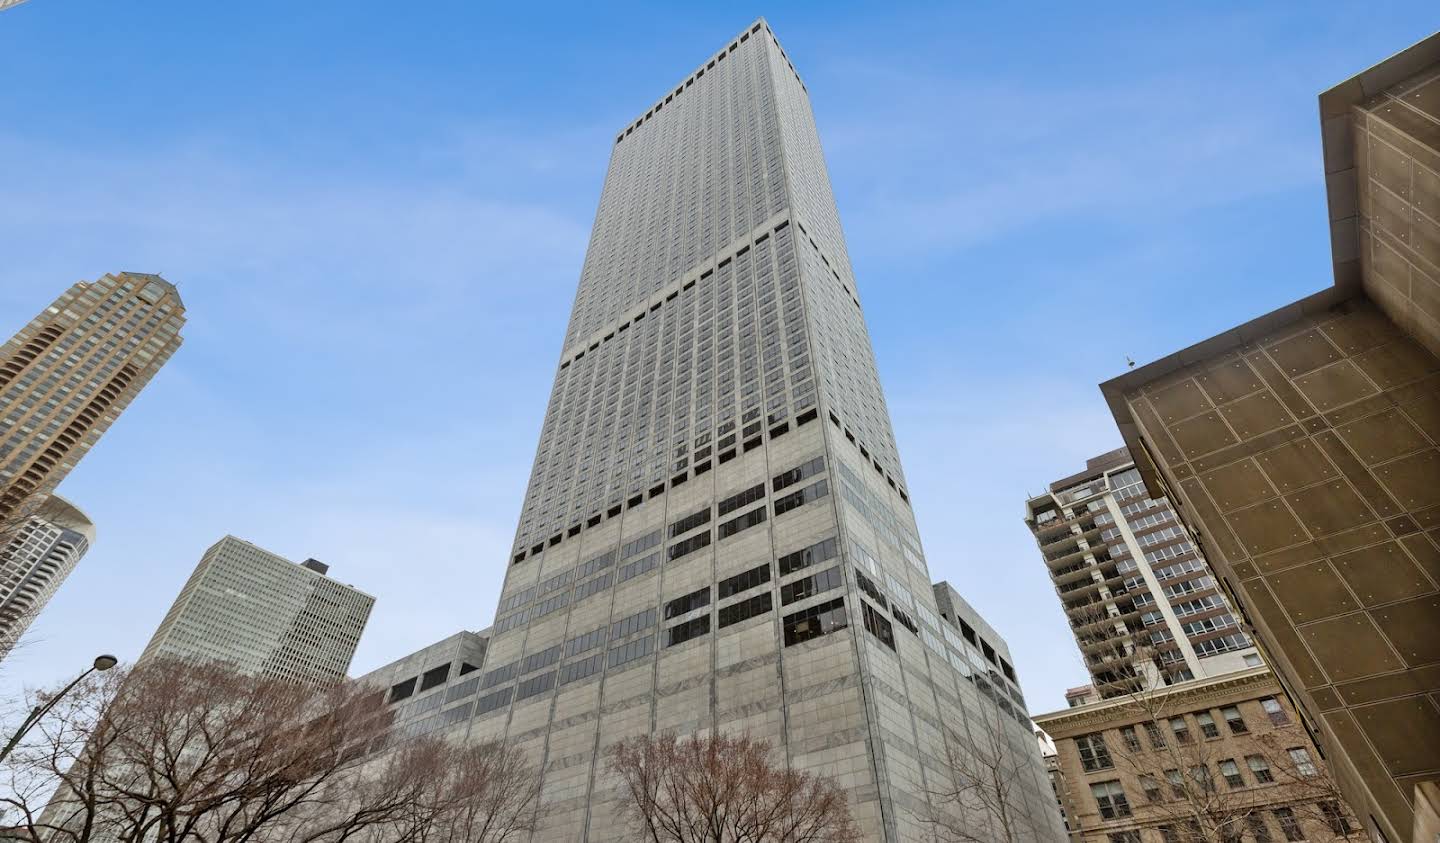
(1129, 364)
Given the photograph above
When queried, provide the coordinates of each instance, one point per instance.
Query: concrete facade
(1247, 758)
(69, 373)
(717, 533)
(36, 561)
(1303, 450)
(434, 687)
(265, 615)
(1141, 600)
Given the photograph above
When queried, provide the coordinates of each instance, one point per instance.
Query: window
(402, 690)
(1259, 768)
(1200, 774)
(1234, 720)
(805, 557)
(1231, 771)
(690, 545)
(734, 502)
(544, 658)
(640, 566)
(1274, 711)
(743, 581)
(1124, 837)
(490, 702)
(795, 500)
(580, 643)
(1152, 788)
(1207, 724)
(680, 633)
(1157, 737)
(1110, 798)
(1335, 817)
(634, 623)
(743, 522)
(639, 545)
(535, 685)
(870, 589)
(800, 472)
(1289, 825)
(434, 676)
(1094, 754)
(1258, 828)
(636, 649)
(504, 673)
(1177, 783)
(818, 620)
(1131, 738)
(690, 602)
(877, 624)
(745, 609)
(690, 522)
(1300, 757)
(811, 585)
(575, 671)
(1181, 730)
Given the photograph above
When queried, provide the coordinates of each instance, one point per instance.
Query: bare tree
(177, 751)
(724, 789)
(983, 799)
(1186, 780)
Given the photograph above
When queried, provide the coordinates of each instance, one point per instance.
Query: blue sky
(376, 213)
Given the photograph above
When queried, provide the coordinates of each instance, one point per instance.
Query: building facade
(265, 615)
(69, 373)
(38, 558)
(1141, 600)
(1303, 451)
(435, 687)
(1203, 760)
(717, 532)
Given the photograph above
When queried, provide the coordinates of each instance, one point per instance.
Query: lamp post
(102, 663)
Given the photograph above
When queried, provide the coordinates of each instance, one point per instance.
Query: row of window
(1095, 753)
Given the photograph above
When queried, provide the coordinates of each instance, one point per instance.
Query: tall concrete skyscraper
(68, 374)
(39, 556)
(717, 532)
(265, 615)
(1142, 602)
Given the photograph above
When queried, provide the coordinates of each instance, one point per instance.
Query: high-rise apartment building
(265, 615)
(41, 553)
(68, 374)
(1143, 604)
(1303, 451)
(717, 532)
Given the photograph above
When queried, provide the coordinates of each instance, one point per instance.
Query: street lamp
(102, 663)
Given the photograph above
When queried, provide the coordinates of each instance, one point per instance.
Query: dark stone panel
(1382, 573)
(1311, 592)
(1358, 476)
(1181, 401)
(1266, 527)
(1334, 386)
(1382, 437)
(1296, 465)
(1405, 732)
(1202, 435)
(1229, 381)
(1255, 415)
(1303, 353)
(1413, 628)
(1281, 386)
(1413, 480)
(1350, 647)
(1238, 485)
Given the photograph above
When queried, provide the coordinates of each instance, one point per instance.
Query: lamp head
(105, 662)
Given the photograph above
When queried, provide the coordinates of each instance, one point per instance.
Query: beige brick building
(1303, 451)
(1215, 754)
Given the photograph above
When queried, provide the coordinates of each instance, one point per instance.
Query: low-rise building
(1226, 754)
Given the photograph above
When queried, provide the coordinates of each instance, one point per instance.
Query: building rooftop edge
(312, 572)
(1092, 709)
(749, 27)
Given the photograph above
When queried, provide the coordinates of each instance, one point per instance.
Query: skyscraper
(39, 556)
(1144, 606)
(265, 615)
(717, 532)
(68, 374)
(1303, 450)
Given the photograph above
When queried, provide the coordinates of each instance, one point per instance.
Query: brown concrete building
(1303, 450)
(69, 373)
(1225, 755)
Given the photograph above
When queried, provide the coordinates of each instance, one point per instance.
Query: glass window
(1110, 798)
